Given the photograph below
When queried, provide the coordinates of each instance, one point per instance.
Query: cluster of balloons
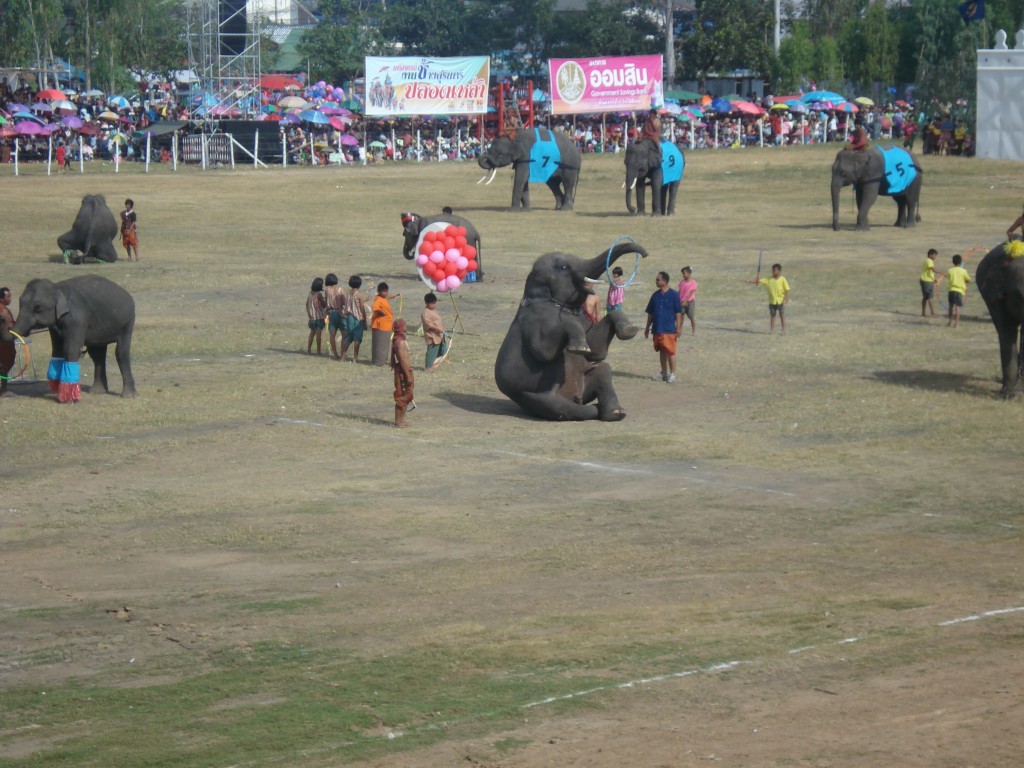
(323, 90)
(443, 257)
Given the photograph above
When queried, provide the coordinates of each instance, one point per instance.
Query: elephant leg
(597, 385)
(123, 355)
(554, 407)
(866, 197)
(668, 196)
(614, 325)
(521, 188)
(1006, 328)
(555, 185)
(568, 179)
(98, 353)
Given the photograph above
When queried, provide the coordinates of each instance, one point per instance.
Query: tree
(828, 65)
(796, 57)
(730, 34)
(869, 46)
(337, 47)
(522, 30)
(827, 17)
(599, 30)
(426, 28)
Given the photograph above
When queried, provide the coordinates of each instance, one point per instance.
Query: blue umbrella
(832, 96)
(120, 102)
(720, 105)
(796, 106)
(314, 117)
(28, 116)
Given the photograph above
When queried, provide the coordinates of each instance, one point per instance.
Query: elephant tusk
(483, 177)
(494, 172)
(633, 185)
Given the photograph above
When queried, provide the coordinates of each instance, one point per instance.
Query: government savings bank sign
(606, 84)
(415, 85)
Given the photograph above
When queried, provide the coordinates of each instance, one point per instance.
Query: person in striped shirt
(616, 290)
(316, 308)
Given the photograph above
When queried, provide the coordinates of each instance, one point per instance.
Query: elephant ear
(62, 305)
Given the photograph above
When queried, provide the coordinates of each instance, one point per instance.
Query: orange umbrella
(50, 94)
(705, 100)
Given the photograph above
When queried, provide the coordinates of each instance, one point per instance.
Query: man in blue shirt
(664, 314)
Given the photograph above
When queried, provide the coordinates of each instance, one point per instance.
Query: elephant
(537, 155)
(875, 171)
(1000, 279)
(551, 362)
(88, 311)
(92, 233)
(663, 171)
(413, 224)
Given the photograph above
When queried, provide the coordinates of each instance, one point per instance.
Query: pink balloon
(436, 257)
(462, 262)
(453, 282)
(422, 259)
(442, 285)
(452, 254)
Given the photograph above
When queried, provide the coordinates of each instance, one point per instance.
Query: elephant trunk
(597, 266)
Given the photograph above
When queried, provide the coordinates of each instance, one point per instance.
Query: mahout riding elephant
(92, 233)
(536, 155)
(875, 171)
(89, 311)
(662, 170)
(413, 224)
(552, 360)
(1000, 279)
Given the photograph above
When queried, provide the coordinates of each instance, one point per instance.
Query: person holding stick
(778, 294)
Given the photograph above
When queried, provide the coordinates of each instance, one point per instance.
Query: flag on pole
(973, 10)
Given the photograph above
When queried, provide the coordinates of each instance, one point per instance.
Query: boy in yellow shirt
(778, 295)
(928, 282)
(957, 278)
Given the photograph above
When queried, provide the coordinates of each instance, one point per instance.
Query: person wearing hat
(859, 140)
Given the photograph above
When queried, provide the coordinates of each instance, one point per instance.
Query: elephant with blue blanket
(537, 155)
(663, 170)
(875, 171)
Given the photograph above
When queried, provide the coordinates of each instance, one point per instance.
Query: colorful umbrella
(29, 128)
(847, 106)
(811, 96)
(349, 140)
(720, 105)
(64, 107)
(314, 117)
(864, 101)
(777, 107)
(108, 117)
(71, 121)
(3, 120)
(89, 129)
(682, 95)
(746, 108)
(50, 94)
(28, 116)
(41, 108)
(7, 131)
(337, 122)
(119, 102)
(288, 102)
(93, 92)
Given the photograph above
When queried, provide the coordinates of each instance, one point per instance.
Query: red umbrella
(7, 131)
(89, 129)
(338, 122)
(50, 94)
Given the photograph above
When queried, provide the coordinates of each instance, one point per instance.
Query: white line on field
(978, 616)
(582, 464)
(656, 679)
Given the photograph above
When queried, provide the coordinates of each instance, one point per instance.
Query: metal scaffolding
(224, 52)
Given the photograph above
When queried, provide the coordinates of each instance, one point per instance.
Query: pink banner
(607, 84)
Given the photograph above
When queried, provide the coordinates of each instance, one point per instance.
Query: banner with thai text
(416, 85)
(605, 84)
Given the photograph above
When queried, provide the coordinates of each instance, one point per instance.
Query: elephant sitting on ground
(663, 170)
(413, 224)
(873, 172)
(88, 311)
(92, 233)
(552, 360)
(1000, 279)
(537, 155)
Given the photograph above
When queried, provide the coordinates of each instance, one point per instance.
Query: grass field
(807, 552)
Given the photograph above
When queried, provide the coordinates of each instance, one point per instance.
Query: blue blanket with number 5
(899, 171)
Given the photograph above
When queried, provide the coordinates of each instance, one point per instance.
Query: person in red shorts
(665, 317)
(130, 229)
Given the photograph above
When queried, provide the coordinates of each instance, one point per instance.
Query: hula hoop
(608, 261)
(26, 355)
(967, 254)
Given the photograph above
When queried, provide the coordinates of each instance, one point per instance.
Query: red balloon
(426, 248)
(460, 241)
(472, 265)
(450, 268)
(449, 242)
(469, 252)
(462, 273)
(429, 236)
(450, 230)
(439, 274)
(461, 231)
